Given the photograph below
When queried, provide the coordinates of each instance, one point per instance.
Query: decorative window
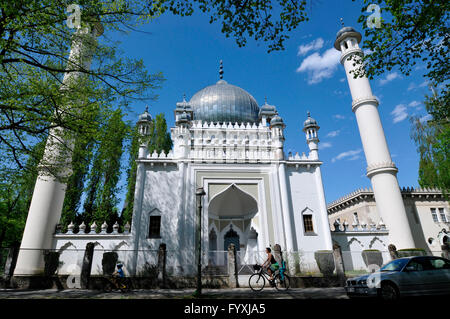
(442, 215)
(308, 223)
(434, 215)
(154, 229)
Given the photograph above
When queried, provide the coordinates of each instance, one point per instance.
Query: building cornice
(363, 195)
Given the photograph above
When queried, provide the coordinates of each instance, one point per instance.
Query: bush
(411, 252)
(325, 261)
(372, 257)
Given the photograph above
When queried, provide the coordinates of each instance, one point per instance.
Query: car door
(440, 275)
(416, 277)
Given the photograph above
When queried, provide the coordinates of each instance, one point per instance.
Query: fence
(159, 264)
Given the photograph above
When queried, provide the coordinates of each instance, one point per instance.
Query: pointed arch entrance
(233, 202)
(231, 213)
(231, 237)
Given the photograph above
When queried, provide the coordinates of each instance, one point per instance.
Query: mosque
(254, 195)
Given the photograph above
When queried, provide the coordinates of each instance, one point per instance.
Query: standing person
(270, 263)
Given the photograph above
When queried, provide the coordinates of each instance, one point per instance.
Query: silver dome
(276, 121)
(310, 122)
(223, 102)
(344, 32)
(145, 117)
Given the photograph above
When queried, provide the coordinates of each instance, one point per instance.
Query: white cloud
(399, 113)
(320, 67)
(350, 155)
(414, 104)
(339, 117)
(414, 86)
(324, 145)
(425, 118)
(333, 133)
(312, 46)
(390, 77)
(342, 80)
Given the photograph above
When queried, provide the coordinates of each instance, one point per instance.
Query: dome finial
(342, 21)
(308, 113)
(146, 108)
(221, 70)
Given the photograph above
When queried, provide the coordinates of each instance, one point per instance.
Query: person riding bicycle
(119, 275)
(271, 264)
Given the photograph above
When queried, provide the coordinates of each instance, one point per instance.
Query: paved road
(239, 293)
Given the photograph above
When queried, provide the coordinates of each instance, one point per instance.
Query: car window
(416, 266)
(419, 264)
(440, 264)
(395, 265)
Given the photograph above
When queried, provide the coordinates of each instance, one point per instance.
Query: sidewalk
(237, 293)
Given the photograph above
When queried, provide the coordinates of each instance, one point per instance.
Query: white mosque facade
(255, 195)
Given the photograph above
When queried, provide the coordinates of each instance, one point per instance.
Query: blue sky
(305, 76)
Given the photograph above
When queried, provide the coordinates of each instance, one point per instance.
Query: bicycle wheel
(256, 282)
(282, 284)
(107, 285)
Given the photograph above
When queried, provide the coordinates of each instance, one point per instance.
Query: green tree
(101, 199)
(133, 152)
(160, 139)
(16, 190)
(81, 158)
(112, 154)
(35, 39)
(432, 139)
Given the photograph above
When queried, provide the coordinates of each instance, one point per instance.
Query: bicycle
(116, 283)
(257, 281)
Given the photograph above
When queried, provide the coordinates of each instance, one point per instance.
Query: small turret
(144, 125)
(310, 127)
(276, 126)
(266, 113)
(144, 122)
(183, 112)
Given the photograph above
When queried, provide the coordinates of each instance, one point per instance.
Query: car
(409, 276)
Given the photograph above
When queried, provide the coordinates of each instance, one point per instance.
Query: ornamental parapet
(92, 230)
(366, 194)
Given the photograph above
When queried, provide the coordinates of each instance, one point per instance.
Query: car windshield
(395, 265)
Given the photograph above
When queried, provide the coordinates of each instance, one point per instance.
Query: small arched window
(154, 226)
(308, 223)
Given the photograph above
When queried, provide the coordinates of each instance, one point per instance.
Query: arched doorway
(212, 240)
(231, 237)
(213, 258)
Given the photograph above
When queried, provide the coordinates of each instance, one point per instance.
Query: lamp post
(199, 195)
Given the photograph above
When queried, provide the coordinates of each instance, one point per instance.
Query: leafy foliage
(432, 139)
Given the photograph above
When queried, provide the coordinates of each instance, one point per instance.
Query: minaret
(277, 126)
(144, 125)
(380, 168)
(310, 128)
(49, 191)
